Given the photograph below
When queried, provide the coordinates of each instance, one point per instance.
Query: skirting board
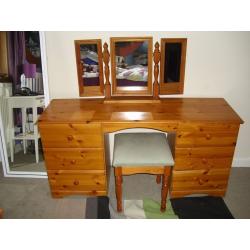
(241, 162)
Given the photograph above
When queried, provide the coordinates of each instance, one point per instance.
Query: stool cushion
(141, 149)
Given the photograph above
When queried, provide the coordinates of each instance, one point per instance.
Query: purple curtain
(16, 56)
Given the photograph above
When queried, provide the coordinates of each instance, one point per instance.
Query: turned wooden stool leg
(164, 191)
(158, 179)
(1, 213)
(118, 188)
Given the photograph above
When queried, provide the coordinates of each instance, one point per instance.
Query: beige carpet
(144, 186)
(27, 162)
(30, 198)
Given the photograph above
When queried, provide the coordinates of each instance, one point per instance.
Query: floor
(144, 186)
(27, 162)
(30, 198)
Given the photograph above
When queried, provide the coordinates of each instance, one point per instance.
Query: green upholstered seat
(141, 149)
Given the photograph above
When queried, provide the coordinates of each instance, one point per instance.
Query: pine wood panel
(143, 170)
(165, 127)
(89, 90)
(4, 53)
(91, 192)
(203, 158)
(76, 181)
(215, 134)
(212, 192)
(206, 131)
(173, 87)
(74, 158)
(181, 110)
(71, 135)
(200, 179)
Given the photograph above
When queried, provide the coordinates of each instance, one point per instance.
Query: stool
(142, 153)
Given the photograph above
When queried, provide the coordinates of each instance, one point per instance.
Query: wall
(217, 65)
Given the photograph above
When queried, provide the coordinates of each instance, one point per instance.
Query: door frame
(3, 149)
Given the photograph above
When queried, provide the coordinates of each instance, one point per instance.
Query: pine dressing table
(203, 130)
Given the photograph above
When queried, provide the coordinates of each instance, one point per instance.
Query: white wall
(217, 65)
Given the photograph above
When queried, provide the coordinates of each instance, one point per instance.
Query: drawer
(212, 192)
(74, 158)
(203, 158)
(200, 179)
(71, 135)
(76, 181)
(207, 135)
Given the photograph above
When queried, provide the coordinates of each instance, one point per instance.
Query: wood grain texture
(173, 87)
(203, 130)
(203, 158)
(181, 110)
(131, 91)
(76, 180)
(118, 188)
(211, 192)
(74, 158)
(157, 58)
(106, 56)
(71, 135)
(200, 179)
(89, 90)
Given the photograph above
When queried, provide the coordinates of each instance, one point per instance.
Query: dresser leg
(118, 188)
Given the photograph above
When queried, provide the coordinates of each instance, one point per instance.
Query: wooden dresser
(203, 130)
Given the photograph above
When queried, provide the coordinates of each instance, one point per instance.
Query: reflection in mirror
(131, 65)
(20, 145)
(89, 67)
(90, 64)
(173, 62)
(173, 56)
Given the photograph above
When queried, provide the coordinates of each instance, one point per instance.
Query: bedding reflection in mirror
(131, 63)
(90, 64)
(89, 67)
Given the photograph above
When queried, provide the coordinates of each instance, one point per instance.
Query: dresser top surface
(171, 109)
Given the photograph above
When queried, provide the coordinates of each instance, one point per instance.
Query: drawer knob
(202, 181)
(70, 137)
(73, 161)
(76, 182)
(204, 160)
(208, 136)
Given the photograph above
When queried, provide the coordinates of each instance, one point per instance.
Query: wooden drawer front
(207, 135)
(76, 181)
(212, 192)
(74, 159)
(203, 158)
(200, 180)
(71, 135)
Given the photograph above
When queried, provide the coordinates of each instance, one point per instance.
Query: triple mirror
(89, 67)
(173, 57)
(131, 66)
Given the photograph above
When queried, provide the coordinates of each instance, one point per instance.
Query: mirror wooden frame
(172, 87)
(135, 90)
(85, 91)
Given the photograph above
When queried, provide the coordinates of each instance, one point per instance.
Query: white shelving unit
(25, 102)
